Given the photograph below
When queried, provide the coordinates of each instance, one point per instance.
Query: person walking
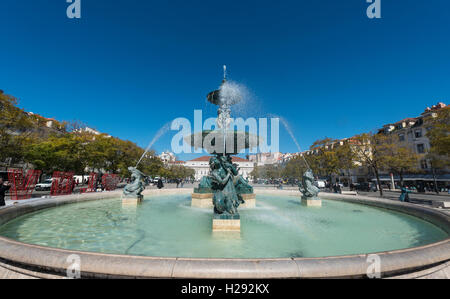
(3, 188)
(160, 184)
(404, 197)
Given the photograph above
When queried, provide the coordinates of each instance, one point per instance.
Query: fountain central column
(224, 189)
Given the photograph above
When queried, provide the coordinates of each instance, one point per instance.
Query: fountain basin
(43, 259)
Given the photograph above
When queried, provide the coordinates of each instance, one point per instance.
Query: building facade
(168, 157)
(413, 133)
(201, 166)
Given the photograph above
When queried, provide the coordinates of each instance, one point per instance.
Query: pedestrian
(404, 197)
(160, 184)
(3, 188)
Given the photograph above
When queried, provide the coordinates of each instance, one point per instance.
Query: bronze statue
(136, 185)
(307, 187)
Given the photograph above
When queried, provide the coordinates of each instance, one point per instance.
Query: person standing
(3, 189)
(160, 184)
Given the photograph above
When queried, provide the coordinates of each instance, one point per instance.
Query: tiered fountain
(224, 189)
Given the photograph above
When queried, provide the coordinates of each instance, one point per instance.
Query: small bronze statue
(136, 185)
(307, 187)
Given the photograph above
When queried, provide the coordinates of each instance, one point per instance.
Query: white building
(168, 157)
(201, 166)
(262, 159)
(413, 132)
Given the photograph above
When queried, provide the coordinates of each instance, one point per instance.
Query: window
(421, 148)
(401, 137)
(424, 164)
(418, 133)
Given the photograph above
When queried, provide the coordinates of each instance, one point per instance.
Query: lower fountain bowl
(42, 259)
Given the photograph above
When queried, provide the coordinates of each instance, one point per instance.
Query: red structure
(110, 181)
(63, 183)
(91, 183)
(22, 187)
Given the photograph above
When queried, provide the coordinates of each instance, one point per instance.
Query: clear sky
(127, 67)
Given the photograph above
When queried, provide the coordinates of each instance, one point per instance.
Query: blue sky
(130, 66)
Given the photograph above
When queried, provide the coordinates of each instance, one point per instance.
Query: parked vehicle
(44, 186)
(321, 184)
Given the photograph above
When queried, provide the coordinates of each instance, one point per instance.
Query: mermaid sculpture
(137, 185)
(242, 186)
(226, 200)
(307, 187)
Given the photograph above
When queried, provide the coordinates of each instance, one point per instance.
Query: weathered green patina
(137, 185)
(307, 187)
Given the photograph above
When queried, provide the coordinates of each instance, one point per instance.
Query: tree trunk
(378, 181)
(401, 178)
(435, 180)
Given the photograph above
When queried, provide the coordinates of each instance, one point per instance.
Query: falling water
(158, 135)
(289, 130)
(230, 94)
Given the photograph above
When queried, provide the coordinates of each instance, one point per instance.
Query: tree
(58, 153)
(324, 161)
(255, 173)
(368, 150)
(397, 157)
(439, 135)
(295, 168)
(439, 153)
(268, 172)
(345, 157)
(15, 129)
(152, 165)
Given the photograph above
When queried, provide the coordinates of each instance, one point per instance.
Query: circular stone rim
(44, 260)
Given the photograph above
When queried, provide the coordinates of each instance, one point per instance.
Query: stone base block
(311, 202)
(250, 201)
(226, 223)
(132, 200)
(204, 201)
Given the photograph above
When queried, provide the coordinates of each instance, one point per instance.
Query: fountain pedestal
(132, 200)
(226, 223)
(250, 201)
(205, 201)
(309, 202)
(202, 200)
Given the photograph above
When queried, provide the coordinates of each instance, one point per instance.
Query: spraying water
(158, 135)
(230, 94)
(289, 130)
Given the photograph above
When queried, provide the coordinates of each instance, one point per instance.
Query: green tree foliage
(179, 172)
(439, 135)
(15, 129)
(398, 158)
(267, 172)
(57, 153)
(324, 162)
(295, 168)
(368, 149)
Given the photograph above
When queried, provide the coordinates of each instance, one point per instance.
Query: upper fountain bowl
(228, 93)
(213, 141)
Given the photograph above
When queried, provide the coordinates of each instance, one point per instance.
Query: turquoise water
(167, 226)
